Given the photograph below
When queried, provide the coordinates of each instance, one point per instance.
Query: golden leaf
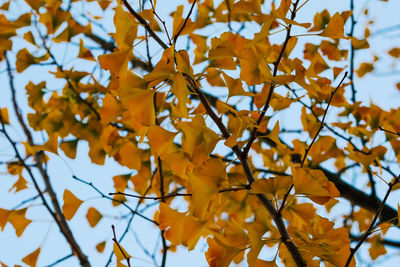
(71, 204)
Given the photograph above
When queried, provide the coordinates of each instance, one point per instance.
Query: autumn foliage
(235, 123)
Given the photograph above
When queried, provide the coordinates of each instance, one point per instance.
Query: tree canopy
(243, 124)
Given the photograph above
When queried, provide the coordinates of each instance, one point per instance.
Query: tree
(196, 117)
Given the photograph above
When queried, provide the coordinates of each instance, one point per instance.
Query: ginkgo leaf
(313, 184)
(335, 27)
(116, 62)
(69, 148)
(125, 28)
(85, 53)
(101, 246)
(3, 218)
(93, 216)
(121, 254)
(272, 187)
(128, 156)
(110, 110)
(161, 140)
(4, 116)
(243, 6)
(19, 185)
(364, 69)
(180, 90)
(26, 59)
(32, 258)
(19, 221)
(71, 204)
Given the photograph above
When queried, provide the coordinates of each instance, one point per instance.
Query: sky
(376, 88)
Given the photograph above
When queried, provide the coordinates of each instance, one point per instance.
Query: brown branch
(57, 214)
(162, 21)
(120, 248)
(145, 24)
(277, 217)
(184, 23)
(272, 84)
(372, 225)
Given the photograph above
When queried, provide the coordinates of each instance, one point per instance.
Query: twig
(145, 24)
(277, 217)
(388, 242)
(119, 246)
(372, 225)
(115, 200)
(272, 84)
(57, 214)
(162, 21)
(184, 23)
(387, 131)
(60, 260)
(323, 120)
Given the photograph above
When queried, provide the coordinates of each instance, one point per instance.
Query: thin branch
(272, 84)
(115, 200)
(184, 23)
(372, 225)
(277, 217)
(388, 242)
(323, 120)
(60, 260)
(119, 246)
(387, 131)
(162, 21)
(57, 214)
(145, 24)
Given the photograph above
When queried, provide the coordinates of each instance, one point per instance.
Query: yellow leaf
(179, 228)
(116, 62)
(51, 145)
(110, 110)
(25, 59)
(120, 254)
(31, 259)
(71, 204)
(19, 185)
(313, 184)
(3, 218)
(101, 246)
(69, 148)
(335, 27)
(85, 53)
(19, 221)
(178, 22)
(272, 187)
(180, 90)
(394, 52)
(93, 216)
(165, 68)
(161, 140)
(172, 222)
(250, 6)
(364, 69)
(220, 254)
(377, 248)
(129, 156)
(235, 86)
(4, 116)
(263, 263)
(125, 28)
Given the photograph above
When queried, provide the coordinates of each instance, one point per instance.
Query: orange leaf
(71, 204)
(335, 27)
(31, 259)
(93, 216)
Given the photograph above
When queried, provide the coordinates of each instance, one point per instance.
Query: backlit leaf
(71, 204)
